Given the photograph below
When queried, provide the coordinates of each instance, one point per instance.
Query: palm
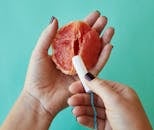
(48, 84)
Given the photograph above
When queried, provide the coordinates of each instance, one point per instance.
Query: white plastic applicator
(81, 70)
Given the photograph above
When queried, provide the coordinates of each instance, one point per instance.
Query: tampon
(81, 70)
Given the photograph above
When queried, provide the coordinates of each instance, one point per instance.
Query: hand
(47, 84)
(118, 106)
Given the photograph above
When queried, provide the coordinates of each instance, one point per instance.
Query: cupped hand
(47, 84)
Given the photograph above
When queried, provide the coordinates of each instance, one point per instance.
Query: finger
(92, 17)
(107, 36)
(89, 122)
(102, 60)
(104, 90)
(100, 24)
(76, 87)
(88, 111)
(83, 99)
(46, 37)
(106, 51)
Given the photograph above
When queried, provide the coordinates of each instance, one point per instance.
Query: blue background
(131, 62)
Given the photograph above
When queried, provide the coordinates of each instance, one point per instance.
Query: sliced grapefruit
(75, 38)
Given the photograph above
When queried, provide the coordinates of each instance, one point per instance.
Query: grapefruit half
(75, 38)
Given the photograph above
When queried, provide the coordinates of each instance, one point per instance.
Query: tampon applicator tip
(81, 70)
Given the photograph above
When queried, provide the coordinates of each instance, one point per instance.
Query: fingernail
(72, 109)
(112, 46)
(89, 76)
(68, 101)
(105, 17)
(97, 11)
(52, 18)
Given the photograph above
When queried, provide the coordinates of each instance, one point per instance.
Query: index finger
(76, 87)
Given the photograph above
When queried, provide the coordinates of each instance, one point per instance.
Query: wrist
(27, 114)
(34, 106)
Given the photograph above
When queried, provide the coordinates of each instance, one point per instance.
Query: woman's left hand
(47, 84)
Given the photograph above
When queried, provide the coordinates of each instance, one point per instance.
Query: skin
(45, 91)
(118, 106)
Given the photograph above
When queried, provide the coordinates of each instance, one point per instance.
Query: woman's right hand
(118, 106)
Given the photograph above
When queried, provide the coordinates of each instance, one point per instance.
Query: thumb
(101, 88)
(47, 36)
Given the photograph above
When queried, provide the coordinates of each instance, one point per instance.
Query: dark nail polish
(97, 11)
(89, 76)
(112, 46)
(72, 109)
(52, 18)
(105, 17)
